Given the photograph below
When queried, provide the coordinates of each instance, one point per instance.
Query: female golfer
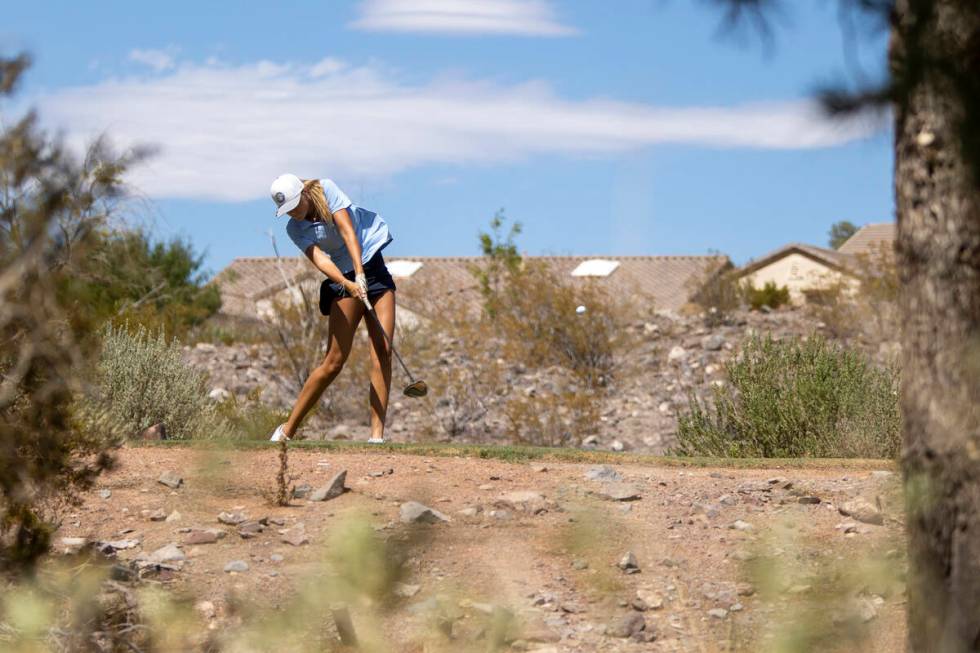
(344, 242)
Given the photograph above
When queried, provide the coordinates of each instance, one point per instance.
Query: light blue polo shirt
(370, 228)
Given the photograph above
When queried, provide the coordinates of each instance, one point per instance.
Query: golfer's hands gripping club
(361, 281)
(354, 290)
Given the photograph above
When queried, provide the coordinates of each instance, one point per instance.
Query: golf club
(415, 388)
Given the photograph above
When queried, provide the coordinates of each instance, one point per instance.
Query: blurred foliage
(796, 398)
(51, 207)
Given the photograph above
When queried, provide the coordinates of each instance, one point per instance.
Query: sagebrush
(796, 398)
(142, 380)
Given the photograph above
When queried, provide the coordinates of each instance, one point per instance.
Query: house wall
(797, 272)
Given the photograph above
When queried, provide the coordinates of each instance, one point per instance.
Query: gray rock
(250, 529)
(413, 512)
(167, 553)
(73, 544)
(232, 518)
(527, 501)
(677, 354)
(236, 566)
(652, 600)
(718, 613)
(171, 479)
(302, 491)
(713, 342)
(628, 626)
(155, 432)
(740, 525)
(174, 516)
(196, 537)
(219, 395)
(276, 557)
(603, 473)
(628, 563)
(405, 590)
(862, 510)
(105, 494)
(618, 492)
(154, 515)
(333, 489)
(296, 535)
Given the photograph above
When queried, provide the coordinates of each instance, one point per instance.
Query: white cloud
(224, 132)
(327, 66)
(517, 17)
(158, 60)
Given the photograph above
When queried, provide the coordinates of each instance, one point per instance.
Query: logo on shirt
(279, 198)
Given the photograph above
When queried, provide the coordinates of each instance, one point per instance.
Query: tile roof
(869, 238)
(668, 281)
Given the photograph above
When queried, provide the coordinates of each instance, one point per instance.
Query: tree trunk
(938, 248)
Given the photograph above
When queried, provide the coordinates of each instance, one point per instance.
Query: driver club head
(416, 389)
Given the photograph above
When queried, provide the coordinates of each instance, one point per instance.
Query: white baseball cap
(286, 191)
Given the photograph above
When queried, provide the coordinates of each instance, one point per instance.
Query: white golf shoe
(377, 440)
(278, 435)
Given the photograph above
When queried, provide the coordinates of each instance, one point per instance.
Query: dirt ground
(734, 556)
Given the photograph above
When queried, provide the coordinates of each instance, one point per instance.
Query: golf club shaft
(370, 310)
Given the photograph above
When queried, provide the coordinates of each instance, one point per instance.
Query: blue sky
(626, 127)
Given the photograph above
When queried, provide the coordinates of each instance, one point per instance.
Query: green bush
(769, 295)
(142, 380)
(130, 277)
(796, 398)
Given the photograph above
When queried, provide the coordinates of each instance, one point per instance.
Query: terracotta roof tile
(869, 238)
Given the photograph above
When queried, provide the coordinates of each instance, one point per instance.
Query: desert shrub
(796, 398)
(717, 292)
(865, 309)
(142, 380)
(538, 321)
(552, 419)
(770, 295)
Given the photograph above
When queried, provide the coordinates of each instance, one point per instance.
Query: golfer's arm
(325, 264)
(346, 228)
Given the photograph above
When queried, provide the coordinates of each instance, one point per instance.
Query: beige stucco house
(803, 268)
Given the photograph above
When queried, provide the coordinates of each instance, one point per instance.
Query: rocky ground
(673, 357)
(579, 557)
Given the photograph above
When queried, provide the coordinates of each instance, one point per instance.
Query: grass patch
(525, 454)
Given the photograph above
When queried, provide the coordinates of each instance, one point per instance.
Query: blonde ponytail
(313, 190)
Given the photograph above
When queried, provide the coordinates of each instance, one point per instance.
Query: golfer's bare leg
(384, 306)
(344, 317)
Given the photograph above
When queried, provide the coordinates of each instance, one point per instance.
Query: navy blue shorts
(378, 279)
